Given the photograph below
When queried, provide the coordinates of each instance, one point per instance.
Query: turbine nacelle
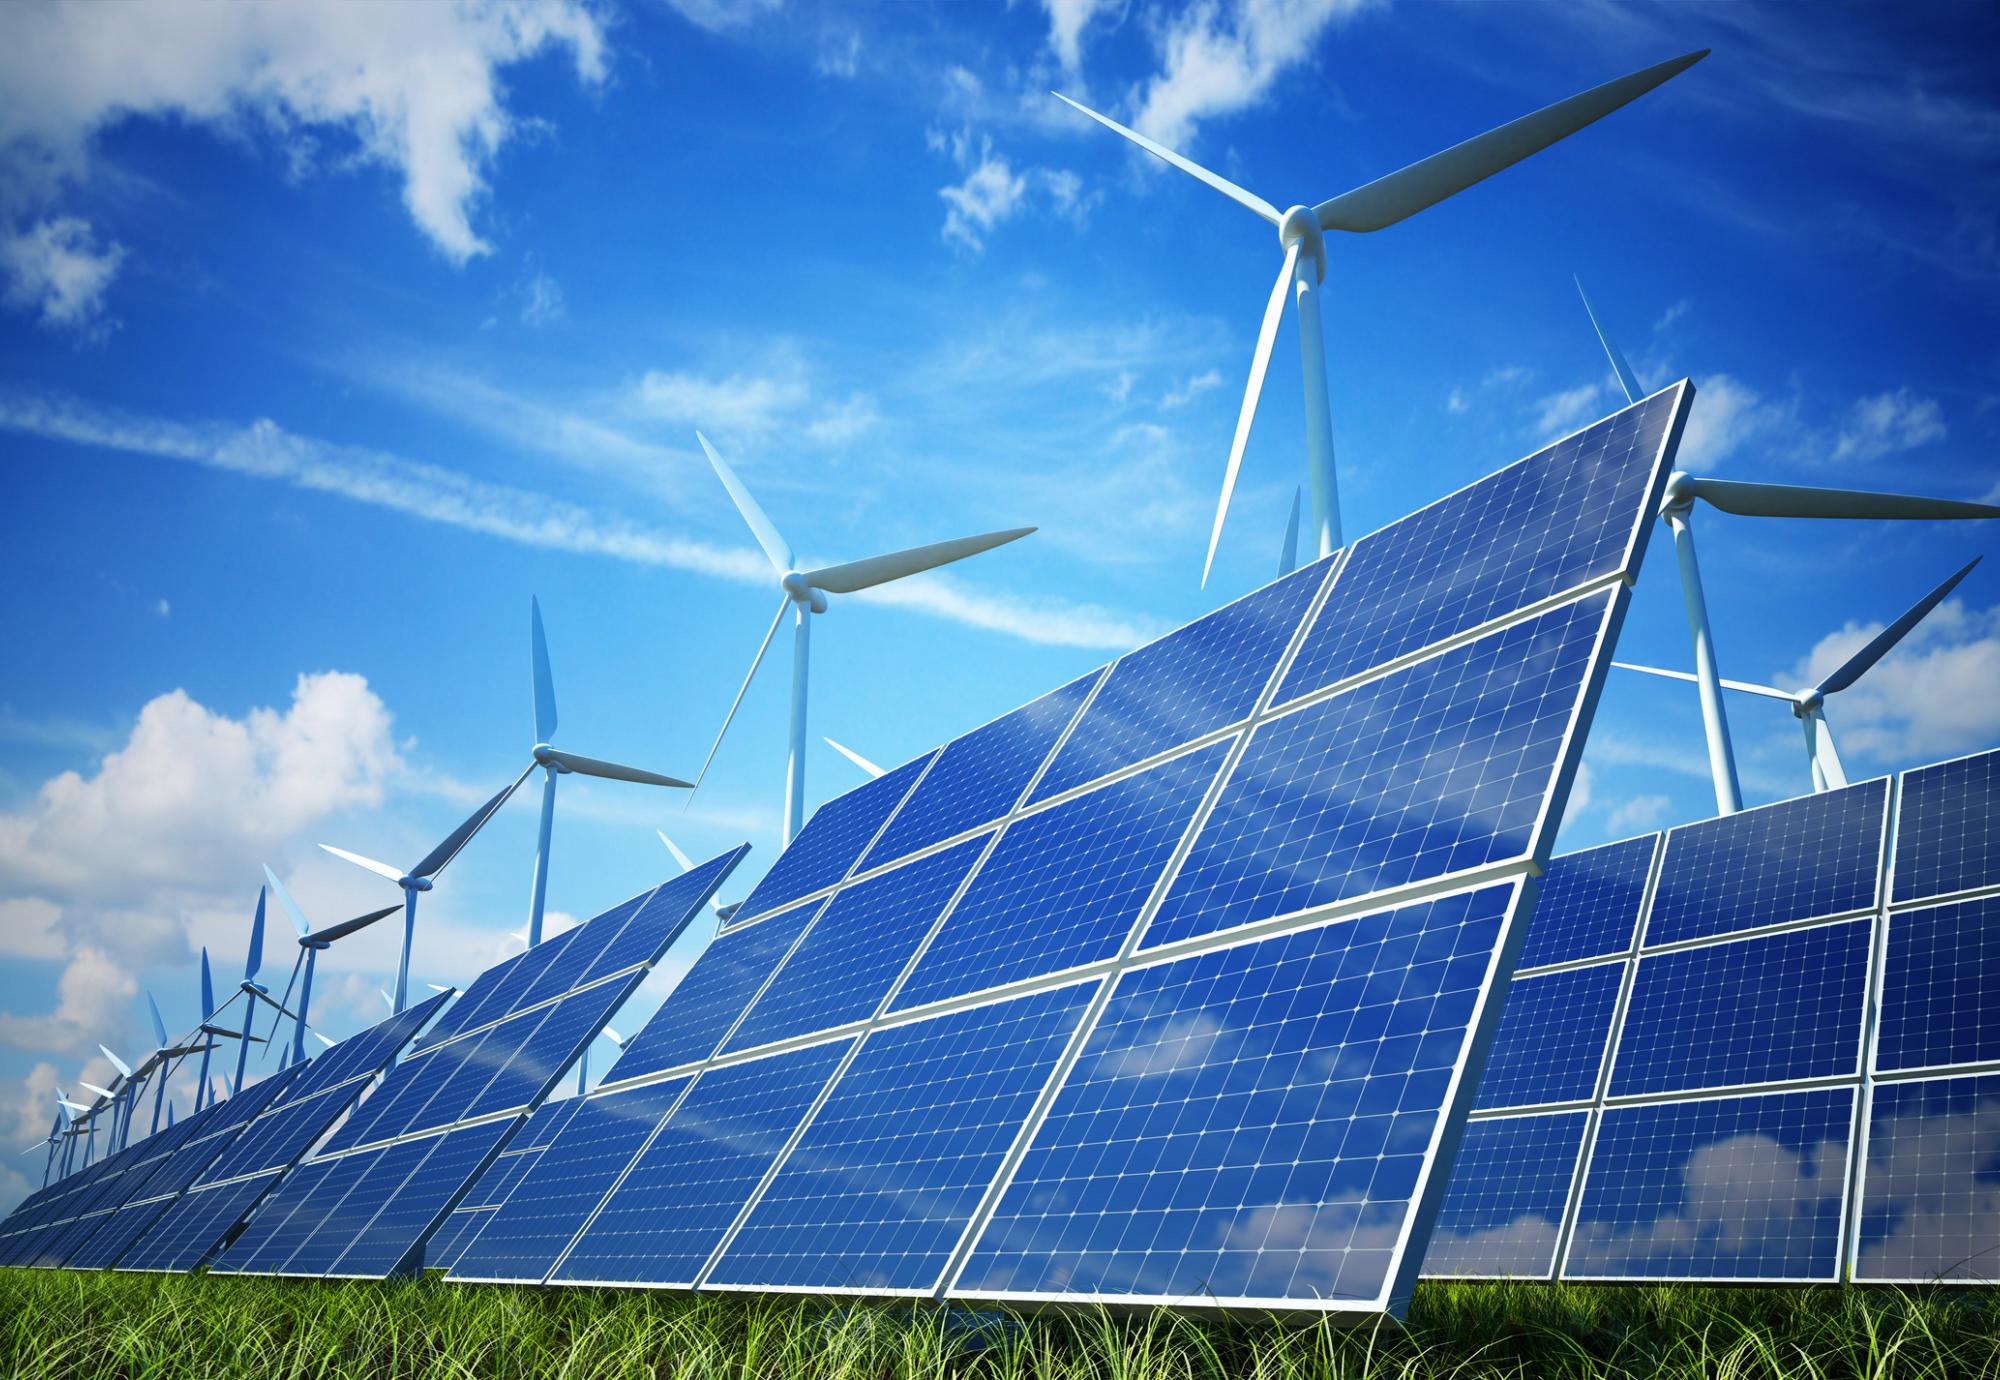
(794, 583)
(1677, 500)
(1300, 226)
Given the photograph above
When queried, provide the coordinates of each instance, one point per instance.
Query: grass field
(65, 1324)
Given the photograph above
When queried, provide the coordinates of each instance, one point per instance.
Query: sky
(331, 334)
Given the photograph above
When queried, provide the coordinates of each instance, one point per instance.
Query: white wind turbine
(1381, 203)
(1810, 705)
(856, 758)
(310, 945)
(805, 594)
(1747, 499)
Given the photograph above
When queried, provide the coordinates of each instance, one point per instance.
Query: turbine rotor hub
(1300, 225)
(541, 754)
(415, 883)
(1678, 499)
(803, 593)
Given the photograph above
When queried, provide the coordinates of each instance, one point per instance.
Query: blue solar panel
(278, 1138)
(189, 1229)
(832, 840)
(382, 1172)
(699, 1012)
(1930, 1207)
(1552, 1035)
(1193, 681)
(980, 776)
(407, 1210)
(1541, 526)
(1948, 828)
(1064, 887)
(473, 1007)
(394, 1107)
(1440, 767)
(1736, 1188)
(1798, 860)
(1588, 903)
(661, 1224)
(1776, 1009)
(843, 967)
(886, 1178)
(1252, 1122)
(115, 1237)
(284, 1222)
(1502, 1214)
(543, 1211)
(458, 1233)
(665, 916)
(1941, 987)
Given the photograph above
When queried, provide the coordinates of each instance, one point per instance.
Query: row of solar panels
(1764, 1047)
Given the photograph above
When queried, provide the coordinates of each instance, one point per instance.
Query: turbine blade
(851, 755)
(1747, 499)
(1243, 198)
(380, 869)
(254, 959)
(1288, 554)
(123, 1068)
(323, 1039)
(612, 771)
(1259, 362)
(285, 1000)
(285, 900)
(1409, 190)
(207, 987)
(1858, 665)
(755, 662)
(435, 860)
(686, 863)
(852, 576)
(159, 1026)
(1747, 687)
(776, 549)
(359, 922)
(545, 681)
(1626, 379)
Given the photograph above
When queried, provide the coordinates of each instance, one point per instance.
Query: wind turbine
(1747, 499)
(1381, 203)
(851, 755)
(255, 991)
(209, 1028)
(805, 594)
(164, 1053)
(555, 762)
(420, 877)
(1809, 706)
(310, 945)
(120, 1093)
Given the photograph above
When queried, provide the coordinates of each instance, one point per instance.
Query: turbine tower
(1747, 499)
(1381, 203)
(805, 594)
(310, 945)
(1809, 706)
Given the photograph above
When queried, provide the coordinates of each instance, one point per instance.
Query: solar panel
(1510, 1187)
(496, 1183)
(1335, 883)
(1941, 987)
(1948, 828)
(1552, 1037)
(1929, 1211)
(1588, 904)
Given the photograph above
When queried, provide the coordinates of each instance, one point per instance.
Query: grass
(63, 1324)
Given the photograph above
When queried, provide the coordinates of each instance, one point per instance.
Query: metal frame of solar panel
(907, 1068)
(211, 1202)
(370, 1199)
(1767, 1051)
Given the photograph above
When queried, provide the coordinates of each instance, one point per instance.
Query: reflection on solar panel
(1751, 1123)
(367, 1205)
(1178, 1003)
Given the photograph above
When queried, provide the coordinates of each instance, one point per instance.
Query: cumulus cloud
(1562, 412)
(56, 270)
(993, 192)
(1067, 21)
(1928, 1189)
(1887, 424)
(1728, 415)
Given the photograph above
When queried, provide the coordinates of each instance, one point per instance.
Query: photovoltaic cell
(1193, 681)
(831, 841)
(1252, 1122)
(979, 777)
(886, 1177)
(1941, 987)
(1442, 766)
(663, 1222)
(281, 1226)
(407, 1211)
(1738, 1188)
(1064, 887)
(189, 1229)
(1541, 526)
(1502, 1214)
(1798, 860)
(545, 1207)
(1588, 903)
(657, 924)
(842, 969)
(381, 1172)
(1550, 1046)
(1948, 828)
(1930, 1192)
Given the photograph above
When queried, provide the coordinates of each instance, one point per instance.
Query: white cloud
(1638, 815)
(1222, 58)
(29, 928)
(1192, 389)
(1886, 424)
(1456, 402)
(1561, 412)
(844, 423)
(93, 996)
(991, 193)
(1727, 415)
(413, 88)
(1581, 790)
(541, 300)
(718, 16)
(56, 270)
(1067, 21)
(839, 56)
(743, 405)
(1931, 697)
(164, 609)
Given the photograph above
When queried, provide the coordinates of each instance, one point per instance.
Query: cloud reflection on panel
(1930, 1201)
(1740, 1188)
(1502, 1215)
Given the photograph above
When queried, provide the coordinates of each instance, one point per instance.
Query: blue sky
(329, 335)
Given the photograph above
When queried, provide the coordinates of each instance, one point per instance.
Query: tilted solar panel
(1288, 917)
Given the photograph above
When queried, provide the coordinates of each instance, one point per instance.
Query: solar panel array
(371, 1197)
(1162, 987)
(1764, 1047)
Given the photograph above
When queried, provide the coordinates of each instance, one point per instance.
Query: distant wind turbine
(805, 594)
(310, 945)
(255, 992)
(851, 755)
(1747, 499)
(1379, 204)
(1810, 705)
(687, 865)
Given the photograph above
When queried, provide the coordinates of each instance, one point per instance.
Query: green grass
(63, 1324)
